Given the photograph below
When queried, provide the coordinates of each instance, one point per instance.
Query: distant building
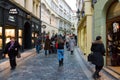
(57, 16)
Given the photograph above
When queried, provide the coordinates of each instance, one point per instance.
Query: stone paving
(40, 67)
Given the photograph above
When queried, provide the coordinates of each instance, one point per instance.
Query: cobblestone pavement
(40, 67)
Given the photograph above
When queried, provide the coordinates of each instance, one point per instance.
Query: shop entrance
(27, 36)
(113, 37)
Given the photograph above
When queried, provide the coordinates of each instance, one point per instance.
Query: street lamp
(43, 26)
(78, 14)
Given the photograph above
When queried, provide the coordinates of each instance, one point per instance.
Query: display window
(113, 44)
(20, 36)
(8, 33)
(32, 34)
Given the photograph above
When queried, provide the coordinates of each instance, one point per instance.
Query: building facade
(17, 19)
(85, 13)
(107, 24)
(56, 16)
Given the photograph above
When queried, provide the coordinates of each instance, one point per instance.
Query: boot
(62, 62)
(71, 52)
(95, 75)
(59, 62)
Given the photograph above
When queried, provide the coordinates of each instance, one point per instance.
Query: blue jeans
(37, 48)
(60, 54)
(46, 52)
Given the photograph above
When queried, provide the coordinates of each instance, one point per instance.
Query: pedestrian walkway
(40, 67)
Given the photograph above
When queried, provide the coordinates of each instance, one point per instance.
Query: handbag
(18, 55)
(91, 57)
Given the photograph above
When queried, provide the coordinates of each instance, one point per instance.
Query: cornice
(24, 9)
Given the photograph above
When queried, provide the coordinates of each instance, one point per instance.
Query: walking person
(38, 44)
(72, 44)
(60, 50)
(12, 49)
(47, 45)
(99, 51)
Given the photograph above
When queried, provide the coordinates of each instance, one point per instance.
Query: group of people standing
(56, 45)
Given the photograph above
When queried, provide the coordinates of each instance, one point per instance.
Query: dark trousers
(12, 59)
(97, 70)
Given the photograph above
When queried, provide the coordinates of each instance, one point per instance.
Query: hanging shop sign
(13, 11)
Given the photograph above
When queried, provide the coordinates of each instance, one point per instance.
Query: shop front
(15, 22)
(113, 36)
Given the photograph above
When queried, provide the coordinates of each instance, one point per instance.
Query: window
(20, 36)
(8, 33)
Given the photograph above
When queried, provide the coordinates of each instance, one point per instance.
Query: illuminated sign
(13, 11)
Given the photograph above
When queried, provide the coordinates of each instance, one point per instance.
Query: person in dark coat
(38, 43)
(47, 46)
(11, 49)
(99, 51)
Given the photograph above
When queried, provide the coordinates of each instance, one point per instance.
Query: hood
(97, 42)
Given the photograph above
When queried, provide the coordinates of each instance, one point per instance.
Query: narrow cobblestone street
(46, 68)
(40, 67)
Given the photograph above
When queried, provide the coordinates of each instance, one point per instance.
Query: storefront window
(20, 36)
(0, 37)
(32, 34)
(8, 33)
(113, 42)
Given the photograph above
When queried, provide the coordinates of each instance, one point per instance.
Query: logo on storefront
(13, 11)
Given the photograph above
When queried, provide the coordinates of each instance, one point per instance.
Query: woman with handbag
(11, 49)
(99, 51)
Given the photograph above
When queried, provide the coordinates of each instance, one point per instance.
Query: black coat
(14, 49)
(99, 51)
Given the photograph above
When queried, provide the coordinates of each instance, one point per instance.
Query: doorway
(27, 36)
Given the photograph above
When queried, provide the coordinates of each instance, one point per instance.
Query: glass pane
(0, 31)
(32, 34)
(0, 43)
(32, 41)
(8, 33)
(20, 33)
(20, 41)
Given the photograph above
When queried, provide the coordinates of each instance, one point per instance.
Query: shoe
(98, 76)
(13, 68)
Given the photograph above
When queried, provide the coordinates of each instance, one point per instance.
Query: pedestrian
(98, 51)
(60, 50)
(12, 49)
(38, 43)
(47, 45)
(72, 44)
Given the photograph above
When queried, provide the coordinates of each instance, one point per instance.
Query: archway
(113, 33)
(27, 36)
